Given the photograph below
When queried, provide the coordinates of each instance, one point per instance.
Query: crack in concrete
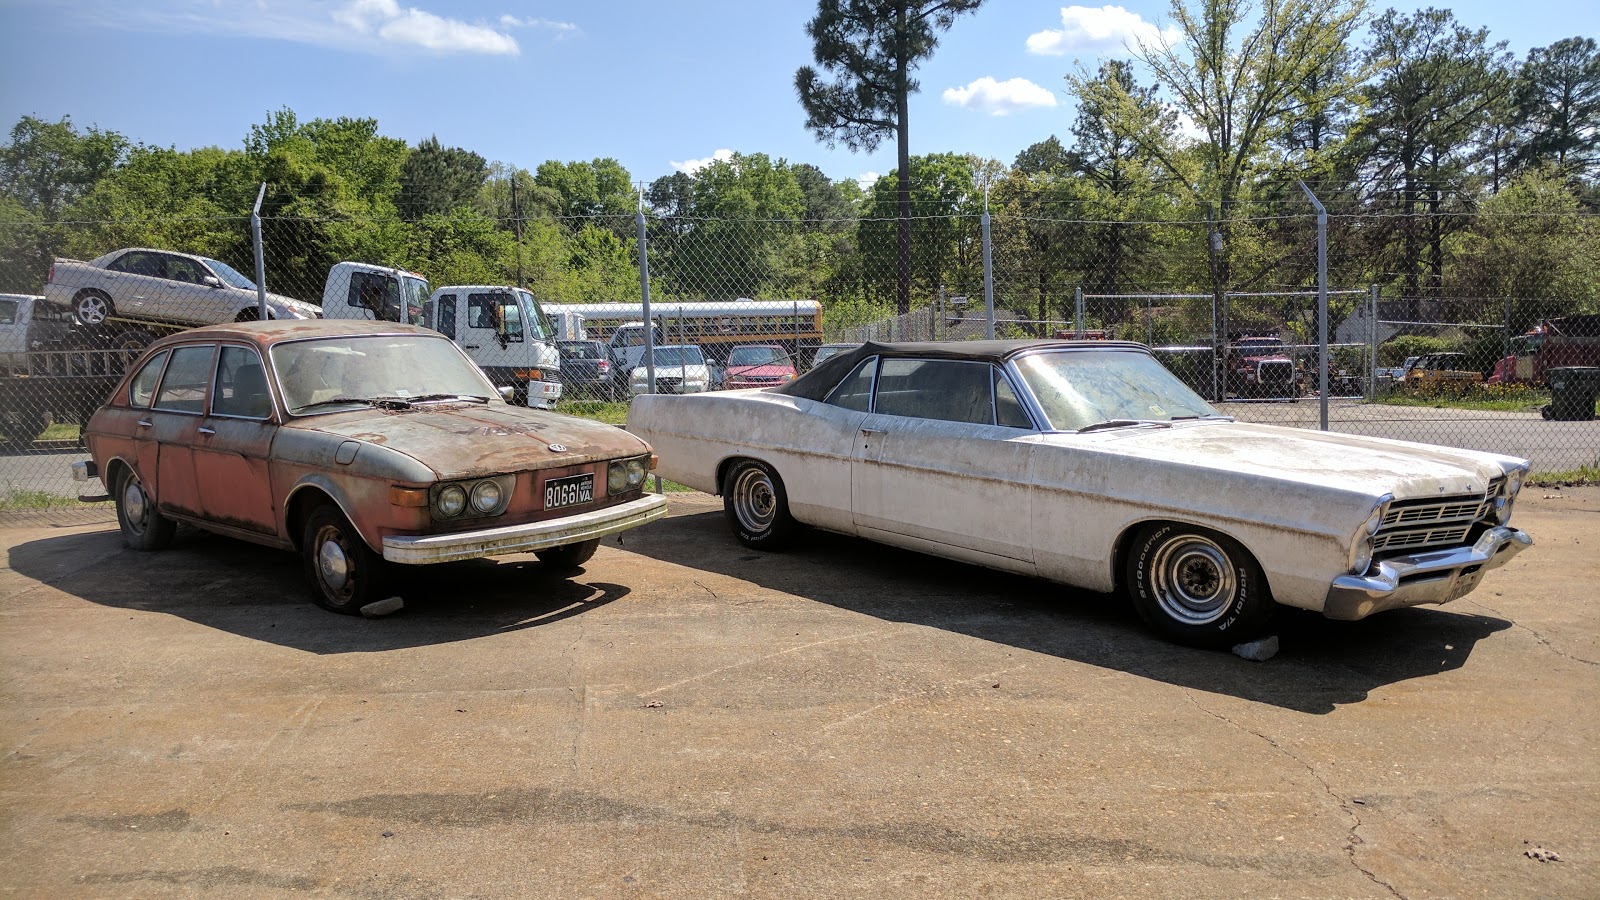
(1345, 806)
(1537, 636)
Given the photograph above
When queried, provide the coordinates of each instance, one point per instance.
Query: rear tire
(568, 557)
(143, 526)
(1197, 587)
(92, 308)
(757, 507)
(345, 574)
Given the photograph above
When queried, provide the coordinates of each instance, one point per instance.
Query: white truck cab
(505, 331)
(626, 345)
(357, 290)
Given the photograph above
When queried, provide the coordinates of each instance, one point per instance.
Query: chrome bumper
(1437, 577)
(438, 548)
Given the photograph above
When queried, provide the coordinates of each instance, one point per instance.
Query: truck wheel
(92, 307)
(143, 526)
(345, 574)
(22, 426)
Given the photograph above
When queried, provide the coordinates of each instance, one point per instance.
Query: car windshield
(755, 356)
(230, 276)
(354, 370)
(1080, 388)
(678, 356)
(580, 350)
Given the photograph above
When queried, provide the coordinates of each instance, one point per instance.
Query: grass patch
(61, 431)
(611, 412)
(19, 498)
(1580, 476)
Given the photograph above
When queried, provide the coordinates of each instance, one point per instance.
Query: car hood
(680, 371)
(470, 440)
(1326, 459)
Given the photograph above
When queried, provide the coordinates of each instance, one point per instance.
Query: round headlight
(485, 496)
(1361, 556)
(617, 478)
(452, 500)
(636, 470)
(1514, 481)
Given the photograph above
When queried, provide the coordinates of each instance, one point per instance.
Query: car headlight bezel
(627, 474)
(451, 501)
(1514, 480)
(1363, 544)
(486, 497)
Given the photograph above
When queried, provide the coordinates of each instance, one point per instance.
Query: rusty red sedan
(361, 445)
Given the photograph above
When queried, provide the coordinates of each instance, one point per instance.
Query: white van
(356, 290)
(505, 331)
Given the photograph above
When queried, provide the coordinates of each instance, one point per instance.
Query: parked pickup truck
(162, 286)
(50, 370)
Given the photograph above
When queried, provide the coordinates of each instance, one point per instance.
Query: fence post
(1149, 321)
(988, 266)
(1372, 369)
(644, 309)
(261, 260)
(1077, 312)
(1322, 301)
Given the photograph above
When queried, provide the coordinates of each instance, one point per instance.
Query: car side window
(945, 389)
(1007, 408)
(143, 386)
(445, 315)
(183, 387)
(241, 386)
(855, 391)
(138, 262)
(8, 312)
(185, 270)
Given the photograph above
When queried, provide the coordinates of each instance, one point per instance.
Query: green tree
(870, 48)
(1531, 242)
(1558, 106)
(743, 234)
(946, 206)
(435, 179)
(49, 165)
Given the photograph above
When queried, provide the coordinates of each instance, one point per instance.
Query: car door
(193, 299)
(933, 467)
(173, 424)
(141, 280)
(232, 444)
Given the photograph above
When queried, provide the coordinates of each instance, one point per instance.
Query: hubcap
(754, 501)
(1193, 579)
(133, 504)
(92, 310)
(332, 562)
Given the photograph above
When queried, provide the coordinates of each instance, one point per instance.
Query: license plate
(572, 491)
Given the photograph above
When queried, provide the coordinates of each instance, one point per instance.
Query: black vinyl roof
(817, 383)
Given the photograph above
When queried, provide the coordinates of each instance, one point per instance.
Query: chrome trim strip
(438, 548)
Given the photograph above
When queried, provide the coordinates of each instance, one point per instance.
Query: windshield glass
(677, 356)
(580, 349)
(371, 367)
(538, 323)
(416, 295)
(1078, 388)
(230, 276)
(755, 356)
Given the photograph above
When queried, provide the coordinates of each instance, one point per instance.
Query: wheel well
(114, 470)
(89, 292)
(727, 465)
(301, 505)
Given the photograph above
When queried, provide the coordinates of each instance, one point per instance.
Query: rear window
(580, 350)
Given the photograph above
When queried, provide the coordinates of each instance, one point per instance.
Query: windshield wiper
(1122, 423)
(476, 398)
(379, 402)
(1206, 416)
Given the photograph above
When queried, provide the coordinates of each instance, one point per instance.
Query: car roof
(816, 383)
(272, 332)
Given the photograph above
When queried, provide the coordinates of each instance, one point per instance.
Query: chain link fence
(740, 303)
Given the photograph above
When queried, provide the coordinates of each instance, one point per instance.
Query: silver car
(160, 285)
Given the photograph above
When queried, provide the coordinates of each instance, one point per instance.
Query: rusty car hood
(1324, 458)
(469, 440)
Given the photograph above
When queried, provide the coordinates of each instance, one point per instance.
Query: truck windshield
(416, 295)
(230, 276)
(538, 322)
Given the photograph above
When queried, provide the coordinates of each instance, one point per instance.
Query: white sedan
(680, 369)
(1089, 464)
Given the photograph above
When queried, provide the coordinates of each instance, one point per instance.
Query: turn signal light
(412, 497)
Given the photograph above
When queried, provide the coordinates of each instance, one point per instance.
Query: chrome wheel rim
(92, 310)
(754, 500)
(135, 506)
(1193, 579)
(333, 562)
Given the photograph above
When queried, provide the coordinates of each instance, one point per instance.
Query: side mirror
(211, 281)
(507, 392)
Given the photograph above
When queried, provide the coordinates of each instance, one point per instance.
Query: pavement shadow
(260, 593)
(1321, 665)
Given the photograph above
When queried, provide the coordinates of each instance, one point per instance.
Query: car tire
(567, 557)
(1197, 587)
(345, 574)
(757, 506)
(143, 526)
(92, 308)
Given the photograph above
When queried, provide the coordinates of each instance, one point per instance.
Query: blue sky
(656, 84)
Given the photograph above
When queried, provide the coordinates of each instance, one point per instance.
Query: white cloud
(1103, 29)
(419, 28)
(689, 167)
(867, 179)
(1000, 98)
(562, 29)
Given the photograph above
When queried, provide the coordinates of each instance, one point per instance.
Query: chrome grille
(1427, 537)
(1428, 513)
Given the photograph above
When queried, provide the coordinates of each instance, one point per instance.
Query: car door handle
(205, 430)
(871, 431)
(145, 423)
(471, 346)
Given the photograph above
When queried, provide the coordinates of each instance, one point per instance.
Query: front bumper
(438, 548)
(1435, 577)
(543, 393)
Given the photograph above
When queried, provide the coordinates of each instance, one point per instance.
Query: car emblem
(558, 448)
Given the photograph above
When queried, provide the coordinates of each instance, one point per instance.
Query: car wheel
(248, 314)
(345, 574)
(757, 507)
(143, 526)
(92, 307)
(1197, 587)
(568, 556)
